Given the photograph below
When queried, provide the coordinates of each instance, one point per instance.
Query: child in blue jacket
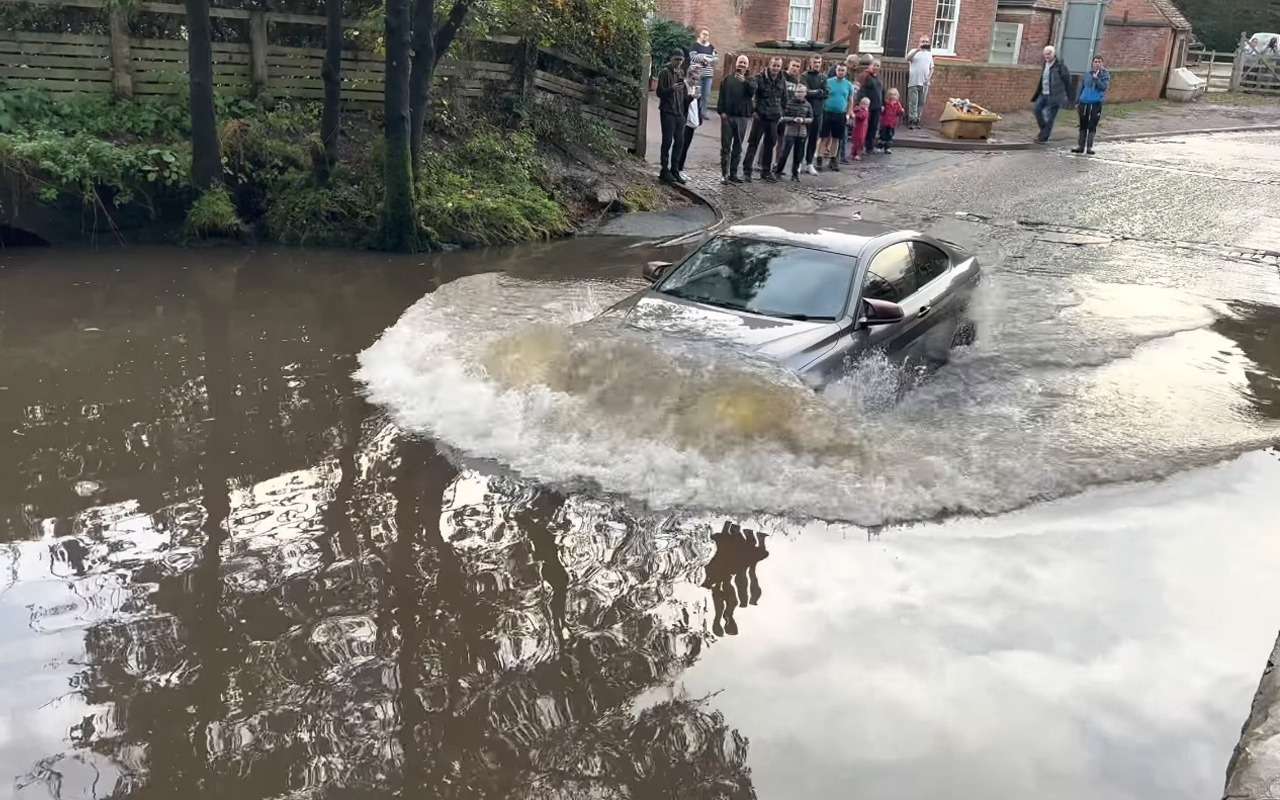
(1093, 93)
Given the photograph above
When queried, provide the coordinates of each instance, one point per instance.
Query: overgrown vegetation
(487, 185)
(665, 37)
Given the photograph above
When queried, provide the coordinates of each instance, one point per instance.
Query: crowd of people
(814, 117)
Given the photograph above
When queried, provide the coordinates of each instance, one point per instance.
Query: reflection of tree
(1256, 329)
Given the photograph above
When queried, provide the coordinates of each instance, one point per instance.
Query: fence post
(258, 52)
(641, 144)
(121, 60)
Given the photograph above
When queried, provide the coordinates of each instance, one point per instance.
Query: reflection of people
(731, 575)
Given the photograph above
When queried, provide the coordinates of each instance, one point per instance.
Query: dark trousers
(761, 129)
(685, 144)
(873, 130)
(792, 144)
(886, 137)
(1046, 114)
(672, 139)
(733, 134)
(1090, 116)
(815, 129)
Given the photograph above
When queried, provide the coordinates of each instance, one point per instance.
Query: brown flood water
(224, 573)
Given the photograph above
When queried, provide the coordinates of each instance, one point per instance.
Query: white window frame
(875, 42)
(946, 48)
(808, 7)
(1017, 42)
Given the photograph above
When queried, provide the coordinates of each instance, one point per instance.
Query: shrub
(666, 36)
(212, 215)
(343, 213)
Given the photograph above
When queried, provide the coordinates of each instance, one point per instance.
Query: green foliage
(342, 213)
(269, 145)
(666, 36)
(605, 32)
(98, 115)
(484, 190)
(1219, 24)
(642, 197)
(560, 120)
(213, 215)
(91, 168)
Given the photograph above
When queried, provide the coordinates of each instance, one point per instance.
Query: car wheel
(965, 335)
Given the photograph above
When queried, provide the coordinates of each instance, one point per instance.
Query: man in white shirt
(921, 75)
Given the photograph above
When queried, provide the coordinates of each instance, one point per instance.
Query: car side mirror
(881, 312)
(654, 270)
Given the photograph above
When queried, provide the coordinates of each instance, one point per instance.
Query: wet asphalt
(230, 569)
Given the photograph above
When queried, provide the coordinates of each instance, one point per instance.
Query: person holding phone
(1093, 93)
(920, 75)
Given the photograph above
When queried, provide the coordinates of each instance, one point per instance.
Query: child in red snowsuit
(893, 113)
(860, 118)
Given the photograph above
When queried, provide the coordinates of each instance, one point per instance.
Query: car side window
(890, 275)
(930, 262)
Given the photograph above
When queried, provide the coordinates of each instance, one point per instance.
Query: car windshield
(768, 278)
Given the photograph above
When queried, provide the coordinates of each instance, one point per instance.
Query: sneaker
(812, 170)
(679, 178)
(734, 179)
(835, 165)
(1077, 150)
(888, 150)
(795, 177)
(724, 180)
(746, 177)
(769, 178)
(858, 157)
(1090, 152)
(666, 177)
(683, 176)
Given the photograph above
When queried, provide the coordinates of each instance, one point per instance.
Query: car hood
(780, 339)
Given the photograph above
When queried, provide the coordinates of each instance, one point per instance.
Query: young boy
(893, 112)
(797, 116)
(860, 119)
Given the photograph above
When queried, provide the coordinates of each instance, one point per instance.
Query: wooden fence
(128, 66)
(893, 71)
(1214, 68)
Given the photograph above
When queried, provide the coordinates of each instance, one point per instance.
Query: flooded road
(285, 524)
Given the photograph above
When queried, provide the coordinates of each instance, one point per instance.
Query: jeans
(733, 133)
(672, 127)
(873, 130)
(791, 144)
(766, 129)
(685, 144)
(704, 99)
(1090, 116)
(917, 96)
(1046, 114)
(886, 137)
(815, 128)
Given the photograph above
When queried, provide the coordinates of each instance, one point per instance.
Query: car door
(912, 275)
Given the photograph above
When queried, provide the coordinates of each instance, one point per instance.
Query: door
(897, 28)
(911, 274)
(1080, 34)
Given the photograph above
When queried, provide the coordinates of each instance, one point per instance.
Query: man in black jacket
(815, 80)
(672, 105)
(1053, 93)
(735, 110)
(770, 91)
(873, 90)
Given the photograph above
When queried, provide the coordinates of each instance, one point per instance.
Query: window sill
(863, 47)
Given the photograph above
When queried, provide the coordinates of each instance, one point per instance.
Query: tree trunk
(206, 155)
(424, 67)
(331, 118)
(399, 228)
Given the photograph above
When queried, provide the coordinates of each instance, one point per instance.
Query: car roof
(828, 232)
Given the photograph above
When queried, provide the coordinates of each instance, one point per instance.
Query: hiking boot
(795, 177)
(734, 179)
(666, 177)
(769, 177)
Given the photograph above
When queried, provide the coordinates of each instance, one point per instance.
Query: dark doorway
(897, 27)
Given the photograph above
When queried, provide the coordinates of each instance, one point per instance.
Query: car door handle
(923, 312)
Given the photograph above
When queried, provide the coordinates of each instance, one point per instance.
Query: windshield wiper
(796, 317)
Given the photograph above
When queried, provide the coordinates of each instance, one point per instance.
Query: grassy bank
(123, 167)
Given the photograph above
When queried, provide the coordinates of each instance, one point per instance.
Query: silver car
(813, 292)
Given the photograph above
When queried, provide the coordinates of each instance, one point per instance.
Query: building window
(945, 22)
(1006, 43)
(872, 24)
(800, 21)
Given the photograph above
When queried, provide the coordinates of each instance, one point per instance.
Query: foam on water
(1071, 384)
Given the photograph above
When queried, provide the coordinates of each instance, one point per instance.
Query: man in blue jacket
(1053, 93)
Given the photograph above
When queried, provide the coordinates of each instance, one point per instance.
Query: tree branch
(448, 30)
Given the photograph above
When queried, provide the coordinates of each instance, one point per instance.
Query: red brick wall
(1136, 47)
(763, 20)
(1038, 30)
(1009, 88)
